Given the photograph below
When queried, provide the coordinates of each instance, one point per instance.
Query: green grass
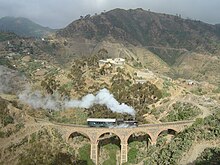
(217, 90)
(84, 154)
(134, 153)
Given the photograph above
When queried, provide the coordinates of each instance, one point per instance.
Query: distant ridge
(23, 27)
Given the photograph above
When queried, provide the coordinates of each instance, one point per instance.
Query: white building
(117, 62)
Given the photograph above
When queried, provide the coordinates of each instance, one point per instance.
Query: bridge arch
(123, 134)
(78, 134)
(138, 141)
(101, 133)
(139, 136)
(165, 134)
(167, 130)
(75, 133)
(143, 132)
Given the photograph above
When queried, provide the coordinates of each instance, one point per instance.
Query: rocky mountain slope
(171, 34)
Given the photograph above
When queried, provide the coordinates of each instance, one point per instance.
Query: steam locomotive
(110, 123)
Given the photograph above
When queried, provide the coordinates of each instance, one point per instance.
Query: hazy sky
(59, 13)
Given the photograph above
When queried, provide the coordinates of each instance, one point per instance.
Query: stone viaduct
(94, 134)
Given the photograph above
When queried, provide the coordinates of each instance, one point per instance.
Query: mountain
(23, 27)
(148, 29)
(218, 28)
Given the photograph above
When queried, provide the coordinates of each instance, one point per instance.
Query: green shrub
(182, 111)
(209, 156)
(19, 126)
(203, 129)
(2, 134)
(8, 120)
(132, 155)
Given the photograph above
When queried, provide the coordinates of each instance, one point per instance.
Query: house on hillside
(191, 82)
(140, 81)
(117, 62)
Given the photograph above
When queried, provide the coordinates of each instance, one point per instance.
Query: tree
(50, 84)
(102, 53)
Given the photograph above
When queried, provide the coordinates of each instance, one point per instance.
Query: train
(109, 122)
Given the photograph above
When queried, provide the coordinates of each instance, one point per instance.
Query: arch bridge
(93, 133)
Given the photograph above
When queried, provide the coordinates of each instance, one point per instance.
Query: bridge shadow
(168, 131)
(165, 136)
(140, 137)
(77, 137)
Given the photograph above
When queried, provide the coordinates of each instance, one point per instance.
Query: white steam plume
(37, 100)
(103, 97)
(11, 81)
(54, 102)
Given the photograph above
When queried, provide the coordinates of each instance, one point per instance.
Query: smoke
(121, 126)
(37, 100)
(54, 102)
(86, 102)
(10, 80)
(103, 97)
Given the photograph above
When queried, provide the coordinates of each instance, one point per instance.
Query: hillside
(27, 129)
(7, 36)
(148, 29)
(23, 27)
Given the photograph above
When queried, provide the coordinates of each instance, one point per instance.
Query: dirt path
(205, 110)
(196, 150)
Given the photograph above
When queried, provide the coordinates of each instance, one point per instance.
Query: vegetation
(148, 29)
(5, 117)
(42, 151)
(171, 153)
(198, 91)
(23, 27)
(120, 84)
(83, 75)
(112, 150)
(6, 36)
(5, 62)
(77, 116)
(136, 151)
(217, 90)
(84, 155)
(182, 111)
(209, 156)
